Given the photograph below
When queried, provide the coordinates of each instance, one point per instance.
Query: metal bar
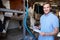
(9, 10)
(24, 30)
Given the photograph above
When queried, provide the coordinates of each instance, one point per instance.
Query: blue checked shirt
(48, 23)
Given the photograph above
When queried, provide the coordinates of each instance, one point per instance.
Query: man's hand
(37, 27)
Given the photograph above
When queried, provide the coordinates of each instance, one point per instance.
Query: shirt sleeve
(55, 22)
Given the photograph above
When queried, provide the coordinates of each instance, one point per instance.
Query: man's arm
(56, 30)
(55, 25)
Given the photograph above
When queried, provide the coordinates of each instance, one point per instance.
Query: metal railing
(10, 11)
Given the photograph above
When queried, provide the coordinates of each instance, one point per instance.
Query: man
(49, 24)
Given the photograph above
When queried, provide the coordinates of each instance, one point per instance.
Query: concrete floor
(13, 34)
(16, 34)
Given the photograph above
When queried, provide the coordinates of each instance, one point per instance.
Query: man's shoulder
(54, 16)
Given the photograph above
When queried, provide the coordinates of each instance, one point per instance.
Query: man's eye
(47, 7)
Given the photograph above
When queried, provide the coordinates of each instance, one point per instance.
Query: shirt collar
(47, 14)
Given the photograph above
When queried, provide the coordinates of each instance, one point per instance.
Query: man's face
(46, 8)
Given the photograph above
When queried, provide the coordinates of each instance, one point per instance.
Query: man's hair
(47, 3)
